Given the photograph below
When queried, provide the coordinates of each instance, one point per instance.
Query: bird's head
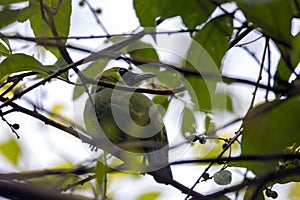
(124, 76)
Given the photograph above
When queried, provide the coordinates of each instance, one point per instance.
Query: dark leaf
(146, 11)
(274, 17)
(192, 12)
(28, 12)
(7, 17)
(188, 124)
(60, 11)
(141, 50)
(215, 37)
(270, 129)
(20, 62)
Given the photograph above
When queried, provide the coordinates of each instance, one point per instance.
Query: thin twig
(81, 182)
(250, 42)
(11, 126)
(47, 172)
(268, 72)
(240, 37)
(203, 74)
(237, 135)
(96, 17)
(259, 74)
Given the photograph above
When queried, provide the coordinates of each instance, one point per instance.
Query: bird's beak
(133, 78)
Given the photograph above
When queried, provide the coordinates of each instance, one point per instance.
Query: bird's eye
(123, 71)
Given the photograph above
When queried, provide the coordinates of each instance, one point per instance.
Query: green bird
(128, 124)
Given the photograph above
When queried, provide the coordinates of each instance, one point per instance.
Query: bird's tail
(163, 175)
(160, 160)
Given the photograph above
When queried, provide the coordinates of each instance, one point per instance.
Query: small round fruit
(16, 126)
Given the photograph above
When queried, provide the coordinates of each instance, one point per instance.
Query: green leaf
(222, 100)
(274, 17)
(28, 12)
(8, 16)
(11, 150)
(78, 91)
(170, 79)
(19, 62)
(270, 129)
(149, 196)
(60, 11)
(294, 192)
(3, 50)
(146, 11)
(188, 124)
(207, 122)
(283, 72)
(141, 50)
(192, 12)
(163, 101)
(60, 63)
(91, 71)
(6, 41)
(222, 177)
(215, 37)
(201, 88)
(250, 192)
(101, 172)
(200, 93)
(167, 79)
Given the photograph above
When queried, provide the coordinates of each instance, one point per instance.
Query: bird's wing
(157, 145)
(130, 118)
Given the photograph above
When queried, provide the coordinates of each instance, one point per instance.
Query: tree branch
(48, 172)
(249, 158)
(24, 191)
(268, 178)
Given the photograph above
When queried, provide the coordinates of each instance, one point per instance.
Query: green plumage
(131, 123)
